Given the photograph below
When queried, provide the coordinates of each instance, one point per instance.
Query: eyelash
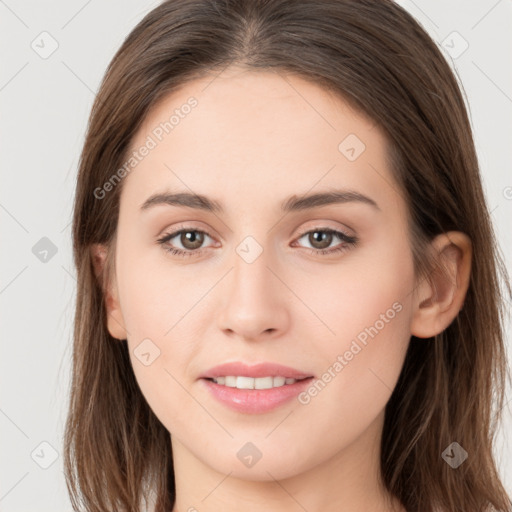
(349, 241)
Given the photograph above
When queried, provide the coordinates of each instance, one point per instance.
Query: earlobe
(439, 298)
(115, 321)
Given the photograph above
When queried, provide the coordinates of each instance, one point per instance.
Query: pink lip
(258, 370)
(255, 401)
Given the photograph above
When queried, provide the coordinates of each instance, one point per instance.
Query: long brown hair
(374, 55)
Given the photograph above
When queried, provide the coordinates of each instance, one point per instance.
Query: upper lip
(257, 370)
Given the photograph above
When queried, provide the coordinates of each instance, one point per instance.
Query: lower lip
(256, 401)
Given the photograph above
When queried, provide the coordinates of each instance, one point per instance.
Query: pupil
(323, 237)
(192, 239)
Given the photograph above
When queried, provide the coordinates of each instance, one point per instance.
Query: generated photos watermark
(356, 346)
(157, 135)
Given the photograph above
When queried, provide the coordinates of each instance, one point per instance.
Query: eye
(190, 239)
(321, 238)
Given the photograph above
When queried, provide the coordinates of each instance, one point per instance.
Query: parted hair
(378, 58)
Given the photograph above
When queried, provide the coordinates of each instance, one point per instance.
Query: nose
(253, 301)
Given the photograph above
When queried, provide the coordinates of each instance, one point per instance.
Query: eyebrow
(292, 204)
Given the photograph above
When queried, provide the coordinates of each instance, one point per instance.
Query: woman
(288, 283)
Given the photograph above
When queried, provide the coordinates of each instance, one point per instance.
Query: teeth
(230, 381)
(253, 383)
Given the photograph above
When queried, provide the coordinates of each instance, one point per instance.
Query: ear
(115, 320)
(438, 299)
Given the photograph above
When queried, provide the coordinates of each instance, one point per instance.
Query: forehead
(245, 133)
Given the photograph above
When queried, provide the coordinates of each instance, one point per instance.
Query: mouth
(240, 371)
(254, 389)
(243, 382)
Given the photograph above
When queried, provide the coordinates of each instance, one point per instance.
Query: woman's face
(263, 280)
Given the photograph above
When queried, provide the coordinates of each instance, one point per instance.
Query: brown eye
(320, 239)
(184, 242)
(192, 240)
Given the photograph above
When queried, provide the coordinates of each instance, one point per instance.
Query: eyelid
(185, 226)
(190, 225)
(169, 234)
(346, 239)
(320, 225)
(302, 231)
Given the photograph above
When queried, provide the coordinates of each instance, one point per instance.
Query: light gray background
(45, 105)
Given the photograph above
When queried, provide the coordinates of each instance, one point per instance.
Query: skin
(254, 140)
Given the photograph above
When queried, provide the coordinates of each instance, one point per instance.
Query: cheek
(363, 292)
(361, 368)
(158, 309)
(157, 294)
(365, 310)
